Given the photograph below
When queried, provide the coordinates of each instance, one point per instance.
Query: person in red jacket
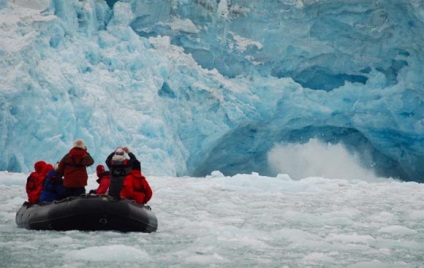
(34, 184)
(103, 180)
(136, 186)
(34, 196)
(73, 166)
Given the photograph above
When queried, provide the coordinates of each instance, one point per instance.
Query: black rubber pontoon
(88, 213)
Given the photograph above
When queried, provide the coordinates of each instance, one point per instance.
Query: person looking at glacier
(73, 166)
(52, 185)
(135, 186)
(34, 184)
(119, 166)
(103, 180)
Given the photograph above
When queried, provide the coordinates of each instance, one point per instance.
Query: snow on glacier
(198, 86)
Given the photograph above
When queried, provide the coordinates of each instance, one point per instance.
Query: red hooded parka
(73, 166)
(34, 185)
(136, 187)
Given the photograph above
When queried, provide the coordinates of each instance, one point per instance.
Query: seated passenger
(34, 184)
(136, 186)
(52, 187)
(103, 180)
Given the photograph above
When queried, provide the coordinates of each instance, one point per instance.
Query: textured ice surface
(197, 86)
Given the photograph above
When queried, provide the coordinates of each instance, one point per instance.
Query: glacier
(230, 85)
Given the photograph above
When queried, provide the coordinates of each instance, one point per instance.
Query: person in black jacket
(119, 166)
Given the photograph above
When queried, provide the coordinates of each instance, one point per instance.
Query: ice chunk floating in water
(239, 221)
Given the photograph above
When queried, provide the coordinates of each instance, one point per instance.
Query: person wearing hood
(34, 184)
(103, 180)
(136, 186)
(73, 166)
(119, 166)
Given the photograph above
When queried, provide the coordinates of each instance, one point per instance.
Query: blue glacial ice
(198, 86)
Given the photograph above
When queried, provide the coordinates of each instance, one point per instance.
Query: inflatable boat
(88, 213)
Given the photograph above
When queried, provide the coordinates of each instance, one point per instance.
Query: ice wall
(197, 86)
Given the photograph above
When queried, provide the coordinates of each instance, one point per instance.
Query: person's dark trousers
(74, 191)
(115, 186)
